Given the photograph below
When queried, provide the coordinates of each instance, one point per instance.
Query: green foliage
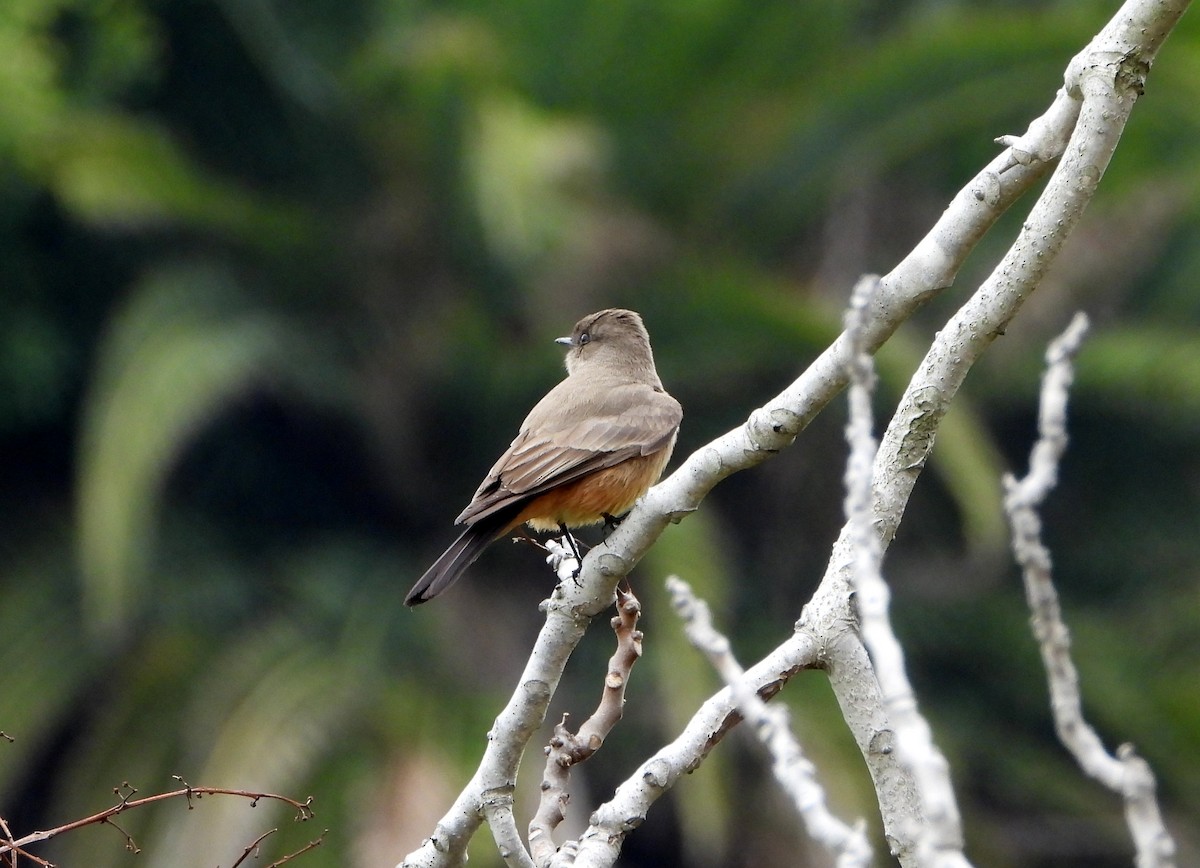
(173, 359)
(279, 280)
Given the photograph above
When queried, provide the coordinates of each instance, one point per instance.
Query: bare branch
(1029, 493)
(600, 845)
(612, 701)
(567, 750)
(1103, 82)
(553, 804)
(1126, 774)
(797, 776)
(252, 849)
(130, 844)
(1082, 126)
(939, 837)
(921, 276)
(10, 858)
(311, 845)
(125, 793)
(498, 810)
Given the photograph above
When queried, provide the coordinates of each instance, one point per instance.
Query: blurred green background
(278, 281)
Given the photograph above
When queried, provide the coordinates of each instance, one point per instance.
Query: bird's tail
(455, 560)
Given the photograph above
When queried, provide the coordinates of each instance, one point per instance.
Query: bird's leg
(574, 549)
(611, 522)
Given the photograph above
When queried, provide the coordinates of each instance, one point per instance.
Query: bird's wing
(564, 438)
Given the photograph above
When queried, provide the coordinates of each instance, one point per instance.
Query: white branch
(939, 837)
(600, 845)
(797, 776)
(1126, 774)
(1100, 87)
(1103, 82)
(498, 809)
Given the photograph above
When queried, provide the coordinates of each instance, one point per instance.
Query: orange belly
(612, 491)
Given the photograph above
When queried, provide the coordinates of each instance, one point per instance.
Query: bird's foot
(611, 522)
(573, 544)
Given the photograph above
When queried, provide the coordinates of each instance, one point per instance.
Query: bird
(585, 453)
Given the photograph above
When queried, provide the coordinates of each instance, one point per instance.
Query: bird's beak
(566, 342)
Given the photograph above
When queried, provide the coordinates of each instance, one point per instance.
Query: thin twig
(125, 794)
(130, 844)
(1126, 774)
(11, 860)
(600, 845)
(567, 749)
(311, 845)
(252, 847)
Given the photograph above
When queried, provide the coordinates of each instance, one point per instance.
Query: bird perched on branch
(585, 453)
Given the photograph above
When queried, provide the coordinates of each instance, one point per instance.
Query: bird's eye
(585, 338)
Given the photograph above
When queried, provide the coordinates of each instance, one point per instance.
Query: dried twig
(130, 844)
(1126, 774)
(567, 749)
(125, 794)
(311, 845)
(11, 856)
(252, 847)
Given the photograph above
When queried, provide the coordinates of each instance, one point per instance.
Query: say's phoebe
(585, 453)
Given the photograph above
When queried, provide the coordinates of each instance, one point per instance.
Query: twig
(600, 845)
(567, 750)
(130, 844)
(1135, 34)
(311, 845)
(11, 860)
(252, 847)
(1126, 774)
(797, 776)
(125, 793)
